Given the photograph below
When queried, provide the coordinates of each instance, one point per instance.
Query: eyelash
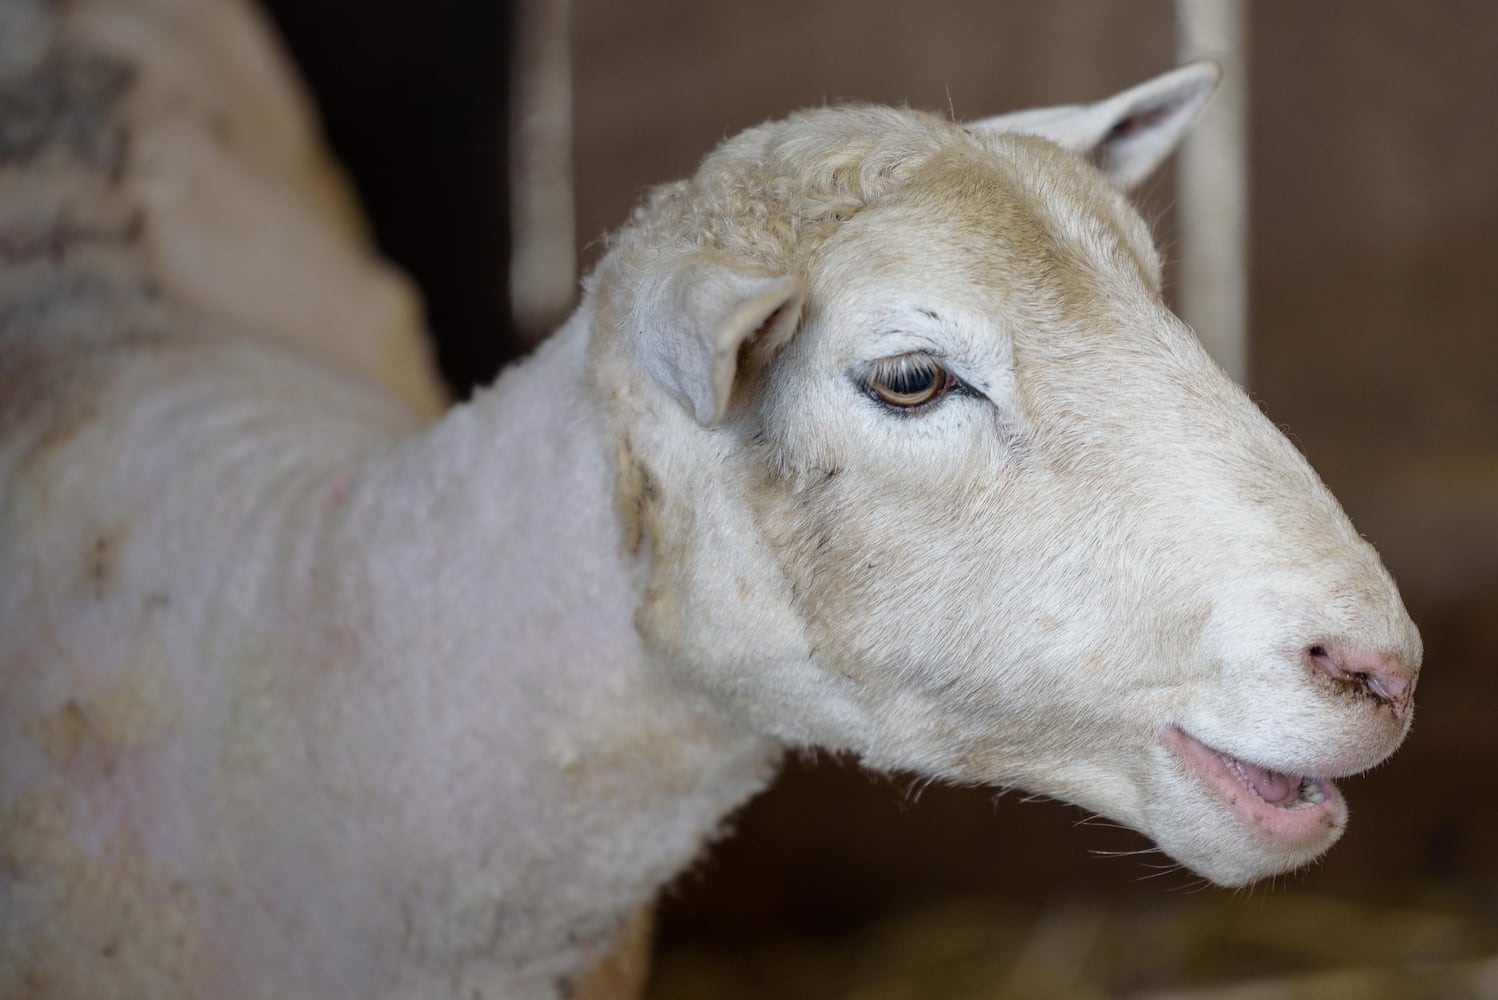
(889, 383)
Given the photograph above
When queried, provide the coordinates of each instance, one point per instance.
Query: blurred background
(1372, 276)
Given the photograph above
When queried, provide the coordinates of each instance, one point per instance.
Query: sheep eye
(908, 381)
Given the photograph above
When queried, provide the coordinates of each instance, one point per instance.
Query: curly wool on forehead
(770, 196)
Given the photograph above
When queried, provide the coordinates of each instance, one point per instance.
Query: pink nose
(1387, 679)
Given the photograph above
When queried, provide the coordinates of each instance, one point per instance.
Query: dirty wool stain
(115, 926)
(138, 710)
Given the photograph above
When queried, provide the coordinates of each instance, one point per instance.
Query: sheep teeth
(1311, 795)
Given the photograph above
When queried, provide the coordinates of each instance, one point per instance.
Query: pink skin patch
(1285, 806)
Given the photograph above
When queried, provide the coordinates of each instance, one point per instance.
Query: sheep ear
(690, 323)
(1127, 135)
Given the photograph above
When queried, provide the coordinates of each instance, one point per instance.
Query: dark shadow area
(414, 98)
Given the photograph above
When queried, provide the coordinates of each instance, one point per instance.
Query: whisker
(1100, 853)
(916, 787)
(997, 795)
(1162, 870)
(1198, 886)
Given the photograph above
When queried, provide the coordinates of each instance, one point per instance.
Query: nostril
(1386, 678)
(1372, 684)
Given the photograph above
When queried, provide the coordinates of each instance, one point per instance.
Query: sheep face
(979, 506)
(1043, 537)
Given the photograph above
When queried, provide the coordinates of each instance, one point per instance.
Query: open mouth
(1285, 806)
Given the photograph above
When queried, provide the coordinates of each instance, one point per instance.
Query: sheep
(874, 435)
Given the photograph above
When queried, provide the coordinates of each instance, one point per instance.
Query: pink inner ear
(1138, 122)
(771, 322)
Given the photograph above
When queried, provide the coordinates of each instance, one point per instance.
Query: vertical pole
(543, 253)
(1213, 187)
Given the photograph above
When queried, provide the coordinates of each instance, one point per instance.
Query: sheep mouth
(1286, 807)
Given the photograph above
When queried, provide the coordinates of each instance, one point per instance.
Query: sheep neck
(503, 603)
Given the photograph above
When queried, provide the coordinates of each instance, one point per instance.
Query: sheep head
(921, 467)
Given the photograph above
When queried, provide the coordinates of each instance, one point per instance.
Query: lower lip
(1318, 811)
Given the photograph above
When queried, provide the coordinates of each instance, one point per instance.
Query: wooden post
(1213, 188)
(543, 254)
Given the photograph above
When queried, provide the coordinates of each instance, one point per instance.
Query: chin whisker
(1168, 869)
(1101, 822)
(1098, 852)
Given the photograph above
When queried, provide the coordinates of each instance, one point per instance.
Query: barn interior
(1372, 338)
